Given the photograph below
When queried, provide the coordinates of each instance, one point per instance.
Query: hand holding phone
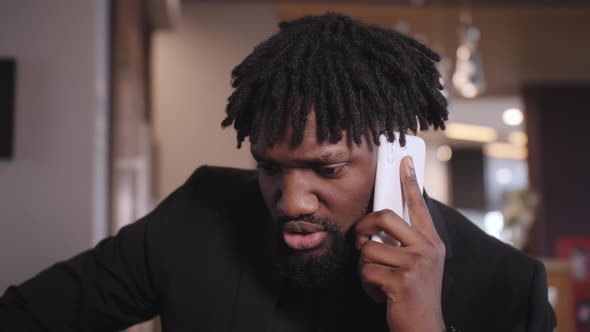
(410, 273)
(388, 188)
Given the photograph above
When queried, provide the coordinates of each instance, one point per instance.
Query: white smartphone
(388, 188)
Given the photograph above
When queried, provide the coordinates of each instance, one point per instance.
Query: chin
(322, 250)
(320, 267)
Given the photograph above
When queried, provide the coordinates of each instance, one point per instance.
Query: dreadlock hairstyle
(357, 77)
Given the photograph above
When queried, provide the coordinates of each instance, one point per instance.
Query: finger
(418, 210)
(373, 277)
(389, 222)
(383, 254)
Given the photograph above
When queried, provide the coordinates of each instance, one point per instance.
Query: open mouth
(302, 235)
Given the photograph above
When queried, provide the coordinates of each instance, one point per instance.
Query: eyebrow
(324, 157)
(329, 156)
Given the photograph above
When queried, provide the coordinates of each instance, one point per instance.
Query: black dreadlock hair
(358, 77)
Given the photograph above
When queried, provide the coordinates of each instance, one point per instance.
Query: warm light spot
(505, 151)
(466, 132)
(444, 153)
(518, 138)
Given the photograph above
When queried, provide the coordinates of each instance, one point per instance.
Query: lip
(302, 235)
(300, 241)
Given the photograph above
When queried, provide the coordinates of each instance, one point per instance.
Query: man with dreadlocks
(287, 248)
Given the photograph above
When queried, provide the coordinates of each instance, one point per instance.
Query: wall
(53, 193)
(557, 126)
(191, 69)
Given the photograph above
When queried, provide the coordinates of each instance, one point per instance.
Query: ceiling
(410, 2)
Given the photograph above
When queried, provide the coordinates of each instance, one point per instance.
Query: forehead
(309, 150)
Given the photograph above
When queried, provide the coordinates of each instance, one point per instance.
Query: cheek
(348, 201)
(361, 181)
(267, 188)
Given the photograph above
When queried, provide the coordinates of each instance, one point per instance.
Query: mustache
(326, 223)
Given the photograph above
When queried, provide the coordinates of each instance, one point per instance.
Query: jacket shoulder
(472, 245)
(209, 201)
(198, 237)
(211, 177)
(208, 191)
(493, 284)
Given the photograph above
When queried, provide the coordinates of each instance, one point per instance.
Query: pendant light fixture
(468, 77)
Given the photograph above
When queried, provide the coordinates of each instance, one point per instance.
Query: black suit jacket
(201, 262)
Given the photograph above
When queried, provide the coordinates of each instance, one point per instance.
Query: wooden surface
(558, 276)
(519, 44)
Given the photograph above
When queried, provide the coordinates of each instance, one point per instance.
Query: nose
(296, 196)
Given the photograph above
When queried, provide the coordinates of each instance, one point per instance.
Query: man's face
(315, 193)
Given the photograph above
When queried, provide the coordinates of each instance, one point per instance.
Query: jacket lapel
(256, 300)
(442, 230)
(440, 224)
(258, 284)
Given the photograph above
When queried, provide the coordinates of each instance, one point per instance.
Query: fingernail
(410, 167)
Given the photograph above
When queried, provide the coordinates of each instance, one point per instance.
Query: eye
(268, 169)
(330, 171)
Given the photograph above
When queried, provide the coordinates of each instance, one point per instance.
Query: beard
(326, 268)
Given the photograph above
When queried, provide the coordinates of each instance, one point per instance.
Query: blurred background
(107, 106)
